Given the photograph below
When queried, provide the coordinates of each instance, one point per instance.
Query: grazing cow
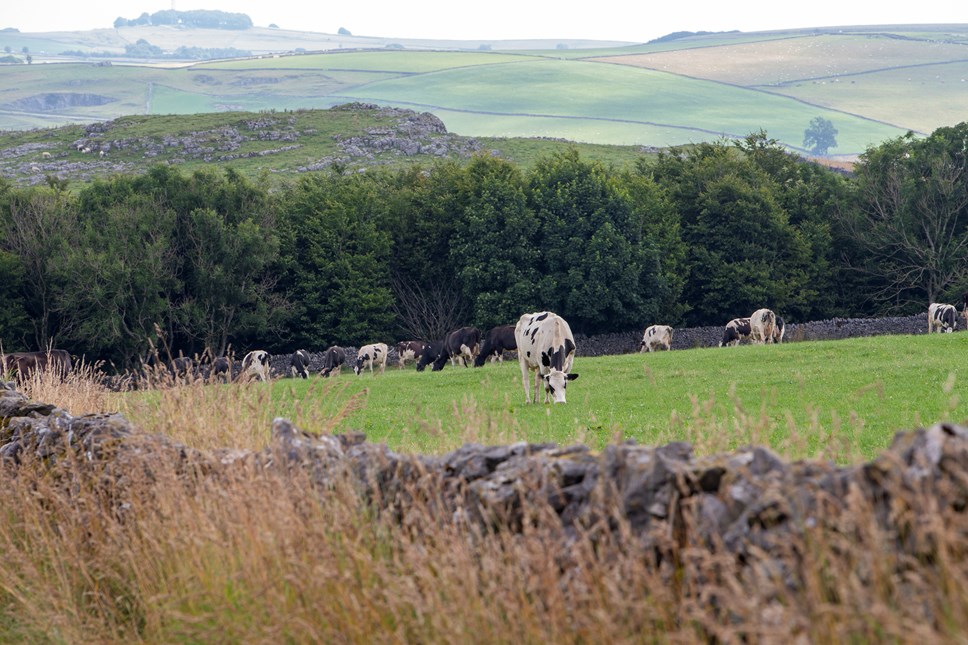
(409, 350)
(333, 360)
(255, 365)
(429, 354)
(299, 364)
(222, 367)
(762, 325)
(942, 318)
(655, 338)
(460, 345)
(497, 341)
(181, 367)
(24, 364)
(370, 355)
(778, 330)
(546, 346)
(736, 330)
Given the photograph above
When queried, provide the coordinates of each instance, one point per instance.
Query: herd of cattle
(543, 341)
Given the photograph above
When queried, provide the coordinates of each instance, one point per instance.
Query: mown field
(841, 400)
(674, 92)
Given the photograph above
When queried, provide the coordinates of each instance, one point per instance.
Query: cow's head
(555, 383)
(358, 367)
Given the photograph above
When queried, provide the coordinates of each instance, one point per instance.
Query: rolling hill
(872, 83)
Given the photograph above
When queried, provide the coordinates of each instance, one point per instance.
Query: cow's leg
(524, 380)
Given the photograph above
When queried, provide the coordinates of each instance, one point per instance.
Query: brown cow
(25, 364)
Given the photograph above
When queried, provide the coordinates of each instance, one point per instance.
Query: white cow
(255, 365)
(762, 326)
(942, 318)
(546, 346)
(370, 355)
(656, 337)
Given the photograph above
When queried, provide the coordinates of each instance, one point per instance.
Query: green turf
(838, 399)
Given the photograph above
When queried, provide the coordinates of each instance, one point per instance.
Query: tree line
(211, 260)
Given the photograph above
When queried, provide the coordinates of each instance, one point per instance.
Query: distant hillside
(872, 83)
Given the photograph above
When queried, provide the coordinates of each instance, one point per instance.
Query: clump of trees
(696, 237)
(200, 18)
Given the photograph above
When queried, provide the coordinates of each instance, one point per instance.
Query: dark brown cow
(24, 364)
(497, 341)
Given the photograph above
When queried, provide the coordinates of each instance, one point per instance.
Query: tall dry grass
(244, 554)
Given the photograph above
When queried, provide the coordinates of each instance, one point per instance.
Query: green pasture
(613, 94)
(398, 62)
(842, 400)
(921, 98)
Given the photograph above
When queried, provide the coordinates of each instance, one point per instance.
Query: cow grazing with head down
(546, 346)
(736, 330)
(459, 345)
(429, 354)
(255, 365)
(496, 341)
(333, 360)
(656, 337)
(222, 368)
(409, 350)
(370, 355)
(24, 364)
(778, 330)
(942, 318)
(762, 325)
(299, 364)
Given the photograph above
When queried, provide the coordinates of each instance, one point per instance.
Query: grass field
(841, 400)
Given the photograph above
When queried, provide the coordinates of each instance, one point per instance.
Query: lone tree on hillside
(820, 136)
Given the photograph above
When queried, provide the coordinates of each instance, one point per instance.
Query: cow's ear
(572, 377)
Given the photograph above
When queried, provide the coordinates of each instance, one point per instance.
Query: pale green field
(613, 94)
(399, 62)
(841, 400)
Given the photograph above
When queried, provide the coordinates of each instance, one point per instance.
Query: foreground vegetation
(252, 554)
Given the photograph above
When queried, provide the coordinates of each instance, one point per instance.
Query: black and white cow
(460, 345)
(942, 318)
(496, 341)
(736, 330)
(409, 350)
(656, 337)
(429, 354)
(299, 364)
(546, 346)
(762, 325)
(370, 355)
(778, 330)
(333, 360)
(255, 365)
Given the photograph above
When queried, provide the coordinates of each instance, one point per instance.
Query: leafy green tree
(337, 261)
(15, 328)
(121, 279)
(493, 247)
(743, 253)
(592, 251)
(911, 218)
(36, 226)
(820, 136)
